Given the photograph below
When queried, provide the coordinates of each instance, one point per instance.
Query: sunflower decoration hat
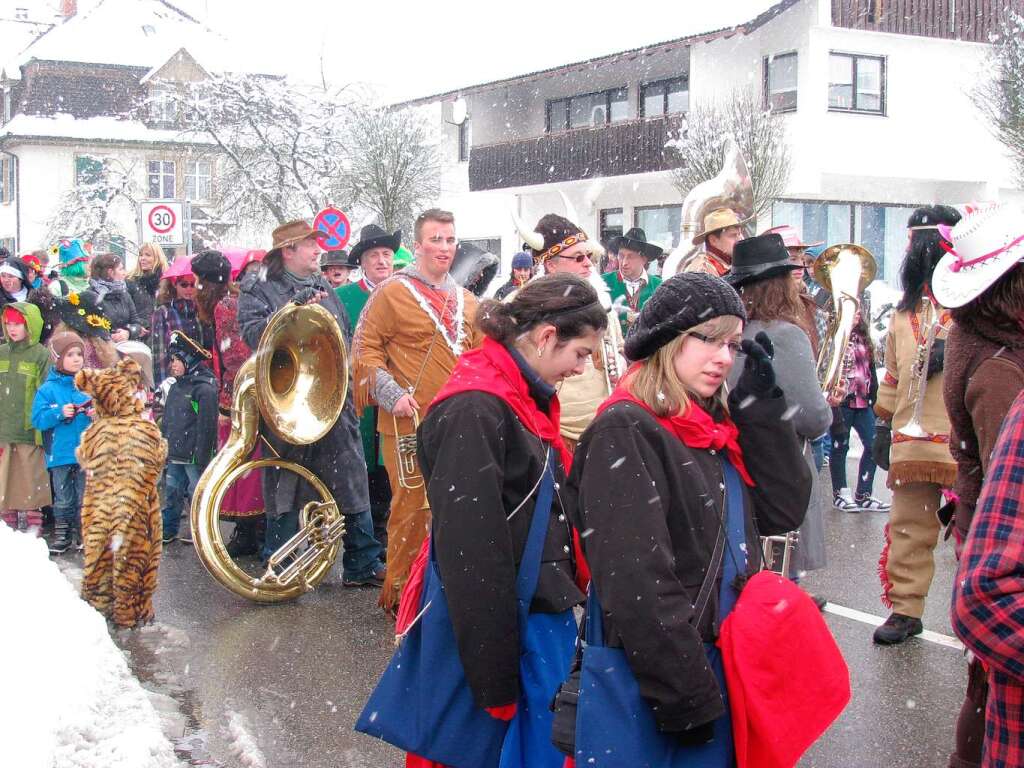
(83, 313)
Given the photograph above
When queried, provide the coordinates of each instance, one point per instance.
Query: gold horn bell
(297, 378)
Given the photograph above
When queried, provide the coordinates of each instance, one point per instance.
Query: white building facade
(876, 99)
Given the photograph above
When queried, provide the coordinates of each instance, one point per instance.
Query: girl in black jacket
(107, 280)
(647, 488)
(484, 446)
(144, 280)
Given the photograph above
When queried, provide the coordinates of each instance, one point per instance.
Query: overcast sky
(413, 49)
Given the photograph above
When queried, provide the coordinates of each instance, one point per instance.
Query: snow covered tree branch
(760, 134)
(1000, 95)
(105, 191)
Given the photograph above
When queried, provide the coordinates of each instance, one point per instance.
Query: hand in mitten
(694, 737)
(758, 377)
(937, 357)
(505, 712)
(881, 445)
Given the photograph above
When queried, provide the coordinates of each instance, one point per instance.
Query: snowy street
(248, 686)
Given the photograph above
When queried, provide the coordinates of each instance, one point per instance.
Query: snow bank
(68, 699)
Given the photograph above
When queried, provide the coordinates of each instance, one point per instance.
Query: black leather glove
(304, 296)
(881, 445)
(838, 426)
(694, 737)
(937, 357)
(758, 377)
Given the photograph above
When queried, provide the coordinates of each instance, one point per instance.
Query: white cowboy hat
(986, 244)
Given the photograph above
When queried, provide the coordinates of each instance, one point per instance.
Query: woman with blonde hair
(144, 280)
(671, 487)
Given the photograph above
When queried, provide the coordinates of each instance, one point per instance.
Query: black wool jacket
(651, 509)
(190, 418)
(480, 463)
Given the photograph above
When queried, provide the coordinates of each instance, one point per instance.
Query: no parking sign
(333, 229)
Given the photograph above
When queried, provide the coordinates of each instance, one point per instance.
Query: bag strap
(529, 565)
(595, 628)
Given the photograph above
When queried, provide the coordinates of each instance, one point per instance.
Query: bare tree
(1000, 95)
(105, 192)
(394, 164)
(760, 134)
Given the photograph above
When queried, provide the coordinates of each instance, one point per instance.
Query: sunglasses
(579, 258)
(187, 283)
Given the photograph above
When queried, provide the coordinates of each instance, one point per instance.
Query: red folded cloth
(505, 712)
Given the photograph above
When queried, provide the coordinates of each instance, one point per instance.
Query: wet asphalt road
(291, 679)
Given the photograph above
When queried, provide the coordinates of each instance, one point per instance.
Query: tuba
(297, 379)
(731, 188)
(844, 270)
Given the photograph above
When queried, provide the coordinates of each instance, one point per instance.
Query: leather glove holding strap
(758, 377)
(937, 357)
(881, 446)
(304, 296)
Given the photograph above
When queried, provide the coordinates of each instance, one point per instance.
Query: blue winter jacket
(60, 437)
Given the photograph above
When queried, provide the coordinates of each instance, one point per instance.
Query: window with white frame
(588, 110)
(661, 223)
(856, 83)
(163, 104)
(198, 178)
(7, 173)
(161, 178)
(780, 82)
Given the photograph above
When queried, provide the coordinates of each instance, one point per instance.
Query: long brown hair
(1001, 305)
(208, 296)
(777, 298)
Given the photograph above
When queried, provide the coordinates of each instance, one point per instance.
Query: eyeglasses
(734, 346)
(579, 258)
(437, 240)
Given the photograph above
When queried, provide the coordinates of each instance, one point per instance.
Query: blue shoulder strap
(529, 566)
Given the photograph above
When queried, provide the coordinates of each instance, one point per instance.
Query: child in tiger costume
(122, 455)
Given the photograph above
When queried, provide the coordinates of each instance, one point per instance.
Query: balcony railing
(974, 20)
(637, 146)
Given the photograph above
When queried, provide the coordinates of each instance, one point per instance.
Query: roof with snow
(135, 33)
(100, 129)
(730, 19)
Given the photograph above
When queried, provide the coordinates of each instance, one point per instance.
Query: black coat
(651, 507)
(143, 289)
(337, 458)
(190, 418)
(480, 463)
(120, 310)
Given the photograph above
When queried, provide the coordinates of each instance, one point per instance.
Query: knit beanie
(522, 260)
(680, 303)
(212, 267)
(63, 342)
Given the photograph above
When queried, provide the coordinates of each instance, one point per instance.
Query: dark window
(464, 139)
(665, 97)
(780, 82)
(161, 178)
(611, 225)
(856, 83)
(588, 110)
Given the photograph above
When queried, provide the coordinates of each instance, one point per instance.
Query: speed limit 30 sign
(162, 221)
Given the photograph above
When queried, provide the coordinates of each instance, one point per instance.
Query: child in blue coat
(59, 412)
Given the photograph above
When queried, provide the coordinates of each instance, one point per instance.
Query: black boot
(244, 540)
(898, 628)
(62, 536)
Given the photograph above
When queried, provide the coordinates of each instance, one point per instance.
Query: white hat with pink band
(986, 244)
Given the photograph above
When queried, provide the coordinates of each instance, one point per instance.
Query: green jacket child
(24, 366)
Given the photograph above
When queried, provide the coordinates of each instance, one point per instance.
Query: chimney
(68, 8)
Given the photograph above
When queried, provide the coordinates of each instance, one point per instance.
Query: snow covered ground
(69, 698)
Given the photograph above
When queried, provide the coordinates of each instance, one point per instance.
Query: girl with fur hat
(761, 272)
(674, 468)
(981, 280)
(492, 432)
(561, 247)
(59, 412)
(919, 467)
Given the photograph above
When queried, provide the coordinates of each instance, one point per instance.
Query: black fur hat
(680, 303)
(554, 229)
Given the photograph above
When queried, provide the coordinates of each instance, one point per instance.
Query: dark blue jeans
(68, 484)
(862, 420)
(179, 483)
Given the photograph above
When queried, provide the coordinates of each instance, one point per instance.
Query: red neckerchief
(695, 428)
(634, 300)
(440, 302)
(719, 260)
(362, 284)
(490, 368)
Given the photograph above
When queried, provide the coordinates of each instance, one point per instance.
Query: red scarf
(490, 368)
(719, 260)
(695, 428)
